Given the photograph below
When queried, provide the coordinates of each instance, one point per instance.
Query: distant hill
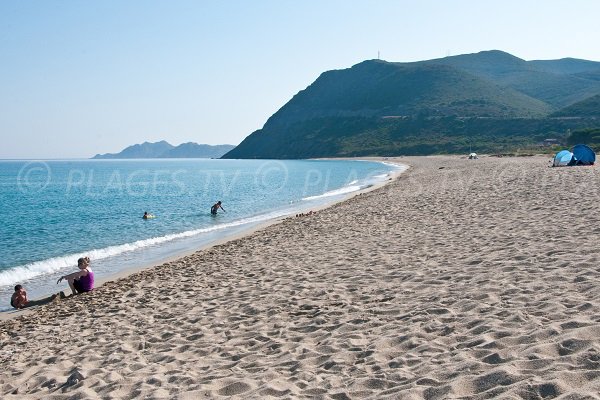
(195, 150)
(163, 149)
(144, 150)
(426, 107)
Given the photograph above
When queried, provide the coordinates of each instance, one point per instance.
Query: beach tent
(472, 156)
(584, 155)
(562, 158)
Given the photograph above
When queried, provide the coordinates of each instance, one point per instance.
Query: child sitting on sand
(19, 297)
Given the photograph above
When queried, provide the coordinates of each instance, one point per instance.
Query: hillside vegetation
(591, 137)
(586, 108)
(489, 101)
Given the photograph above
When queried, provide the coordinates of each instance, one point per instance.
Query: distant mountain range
(492, 101)
(163, 149)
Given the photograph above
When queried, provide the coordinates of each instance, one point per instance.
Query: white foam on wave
(336, 192)
(35, 269)
(45, 267)
(355, 185)
(399, 167)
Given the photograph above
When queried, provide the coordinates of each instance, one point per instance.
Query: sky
(79, 78)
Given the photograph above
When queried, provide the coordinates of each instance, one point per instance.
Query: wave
(355, 185)
(21, 273)
(400, 167)
(45, 267)
(336, 192)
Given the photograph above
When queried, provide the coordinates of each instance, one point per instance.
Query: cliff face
(377, 106)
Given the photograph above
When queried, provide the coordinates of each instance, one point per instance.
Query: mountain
(592, 75)
(144, 150)
(195, 150)
(570, 66)
(435, 106)
(163, 149)
(379, 88)
(556, 82)
(589, 107)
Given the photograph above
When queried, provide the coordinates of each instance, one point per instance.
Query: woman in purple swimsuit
(82, 280)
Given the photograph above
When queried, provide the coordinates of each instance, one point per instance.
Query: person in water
(147, 216)
(19, 298)
(215, 207)
(82, 280)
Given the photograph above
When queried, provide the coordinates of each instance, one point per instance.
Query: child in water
(19, 297)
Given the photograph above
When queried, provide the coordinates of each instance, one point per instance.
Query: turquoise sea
(53, 212)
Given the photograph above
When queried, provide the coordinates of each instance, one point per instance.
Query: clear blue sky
(84, 77)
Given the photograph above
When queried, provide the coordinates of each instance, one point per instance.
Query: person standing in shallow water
(215, 207)
(82, 280)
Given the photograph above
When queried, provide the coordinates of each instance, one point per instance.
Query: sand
(460, 279)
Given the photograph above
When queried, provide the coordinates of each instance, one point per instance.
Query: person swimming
(215, 208)
(147, 216)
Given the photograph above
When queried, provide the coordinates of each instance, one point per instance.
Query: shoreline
(452, 281)
(250, 230)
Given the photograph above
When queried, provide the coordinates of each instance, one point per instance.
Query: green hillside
(569, 66)
(587, 108)
(591, 75)
(556, 82)
(370, 136)
(591, 137)
(378, 88)
(492, 101)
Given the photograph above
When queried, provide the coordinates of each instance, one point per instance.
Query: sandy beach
(460, 279)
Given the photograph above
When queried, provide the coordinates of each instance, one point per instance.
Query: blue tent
(584, 155)
(562, 158)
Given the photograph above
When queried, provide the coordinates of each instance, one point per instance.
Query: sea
(52, 212)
